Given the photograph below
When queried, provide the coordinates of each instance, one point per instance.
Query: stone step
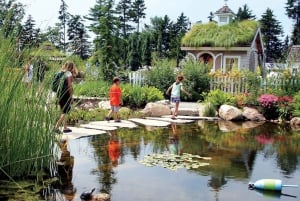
(111, 123)
(81, 132)
(169, 119)
(193, 117)
(99, 127)
(150, 122)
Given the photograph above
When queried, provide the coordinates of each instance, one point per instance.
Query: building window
(231, 62)
(223, 19)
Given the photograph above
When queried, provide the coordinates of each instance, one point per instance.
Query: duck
(87, 195)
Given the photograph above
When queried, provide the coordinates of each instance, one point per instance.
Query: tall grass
(26, 142)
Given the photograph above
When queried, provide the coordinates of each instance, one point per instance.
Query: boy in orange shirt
(115, 97)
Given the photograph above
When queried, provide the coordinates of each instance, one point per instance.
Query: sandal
(67, 130)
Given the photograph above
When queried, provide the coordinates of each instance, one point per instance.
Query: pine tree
(138, 12)
(78, 37)
(293, 12)
(125, 14)
(104, 25)
(134, 57)
(63, 17)
(146, 49)
(272, 32)
(244, 13)
(11, 16)
(29, 35)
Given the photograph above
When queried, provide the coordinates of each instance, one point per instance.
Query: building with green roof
(226, 44)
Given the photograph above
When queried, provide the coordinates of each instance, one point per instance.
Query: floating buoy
(269, 184)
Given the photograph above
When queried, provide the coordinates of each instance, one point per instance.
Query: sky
(45, 12)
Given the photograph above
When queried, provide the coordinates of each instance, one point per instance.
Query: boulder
(295, 121)
(230, 113)
(252, 114)
(104, 105)
(157, 110)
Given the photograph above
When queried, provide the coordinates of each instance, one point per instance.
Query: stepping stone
(81, 132)
(193, 117)
(168, 119)
(99, 127)
(122, 124)
(150, 122)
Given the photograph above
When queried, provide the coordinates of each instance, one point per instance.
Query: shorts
(115, 108)
(65, 104)
(175, 99)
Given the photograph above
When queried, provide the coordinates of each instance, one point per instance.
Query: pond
(112, 163)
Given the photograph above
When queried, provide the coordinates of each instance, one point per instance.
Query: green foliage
(296, 105)
(196, 79)
(272, 32)
(161, 75)
(26, 143)
(218, 98)
(244, 13)
(293, 12)
(213, 35)
(209, 110)
(137, 96)
(91, 89)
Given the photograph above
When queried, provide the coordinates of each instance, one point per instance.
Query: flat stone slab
(169, 119)
(111, 123)
(81, 132)
(150, 122)
(194, 117)
(99, 127)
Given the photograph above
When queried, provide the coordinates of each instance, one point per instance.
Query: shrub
(268, 102)
(137, 96)
(196, 79)
(296, 105)
(209, 110)
(218, 98)
(91, 89)
(285, 107)
(162, 75)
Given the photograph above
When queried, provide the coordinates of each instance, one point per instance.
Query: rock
(164, 102)
(88, 105)
(101, 197)
(230, 113)
(228, 126)
(156, 110)
(104, 105)
(253, 114)
(187, 111)
(295, 121)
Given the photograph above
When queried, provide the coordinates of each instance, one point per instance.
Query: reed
(26, 142)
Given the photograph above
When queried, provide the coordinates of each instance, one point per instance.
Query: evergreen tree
(293, 12)
(272, 32)
(52, 34)
(63, 17)
(134, 51)
(285, 48)
(146, 49)
(104, 25)
(29, 35)
(211, 17)
(11, 15)
(78, 37)
(138, 12)
(244, 13)
(124, 11)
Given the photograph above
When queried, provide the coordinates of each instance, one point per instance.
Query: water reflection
(238, 156)
(65, 166)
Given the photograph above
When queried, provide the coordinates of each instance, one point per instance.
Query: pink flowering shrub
(274, 107)
(267, 100)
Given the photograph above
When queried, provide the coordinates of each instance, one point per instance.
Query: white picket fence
(235, 85)
(137, 78)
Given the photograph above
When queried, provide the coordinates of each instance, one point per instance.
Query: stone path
(102, 127)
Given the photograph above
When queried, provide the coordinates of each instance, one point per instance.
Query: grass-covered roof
(212, 35)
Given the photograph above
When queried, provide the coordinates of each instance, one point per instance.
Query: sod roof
(236, 34)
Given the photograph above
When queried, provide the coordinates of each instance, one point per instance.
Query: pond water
(111, 163)
(239, 154)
